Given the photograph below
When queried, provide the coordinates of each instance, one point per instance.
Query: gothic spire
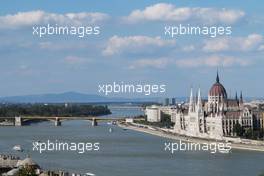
(199, 101)
(191, 96)
(241, 97)
(191, 102)
(217, 77)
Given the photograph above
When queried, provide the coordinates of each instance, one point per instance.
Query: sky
(131, 47)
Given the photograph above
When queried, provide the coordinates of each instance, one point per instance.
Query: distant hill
(70, 97)
(75, 97)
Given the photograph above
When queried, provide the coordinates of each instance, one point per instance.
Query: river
(124, 152)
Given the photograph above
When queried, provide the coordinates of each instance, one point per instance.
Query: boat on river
(18, 148)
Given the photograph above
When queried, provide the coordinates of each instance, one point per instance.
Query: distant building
(166, 102)
(153, 113)
(258, 118)
(129, 120)
(173, 101)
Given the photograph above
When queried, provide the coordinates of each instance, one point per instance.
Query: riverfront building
(213, 118)
(155, 112)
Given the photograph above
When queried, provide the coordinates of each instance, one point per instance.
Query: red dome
(218, 89)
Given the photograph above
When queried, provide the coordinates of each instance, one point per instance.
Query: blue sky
(132, 52)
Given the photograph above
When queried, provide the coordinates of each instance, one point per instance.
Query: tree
(57, 110)
(249, 134)
(261, 134)
(166, 121)
(238, 130)
(27, 171)
(262, 174)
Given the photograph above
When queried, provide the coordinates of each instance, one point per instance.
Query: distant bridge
(18, 121)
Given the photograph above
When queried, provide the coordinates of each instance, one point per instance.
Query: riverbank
(169, 135)
(13, 165)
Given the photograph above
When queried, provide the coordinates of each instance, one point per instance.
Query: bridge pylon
(57, 122)
(94, 122)
(18, 121)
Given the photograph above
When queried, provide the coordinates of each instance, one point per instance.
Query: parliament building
(215, 117)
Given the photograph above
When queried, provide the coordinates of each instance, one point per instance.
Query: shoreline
(172, 136)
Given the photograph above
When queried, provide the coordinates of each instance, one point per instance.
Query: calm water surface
(125, 153)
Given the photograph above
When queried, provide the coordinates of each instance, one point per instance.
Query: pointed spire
(191, 102)
(241, 97)
(217, 77)
(191, 96)
(199, 100)
(196, 98)
(236, 96)
(199, 106)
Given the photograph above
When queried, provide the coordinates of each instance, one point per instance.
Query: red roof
(218, 90)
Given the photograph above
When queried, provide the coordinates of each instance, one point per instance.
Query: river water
(124, 152)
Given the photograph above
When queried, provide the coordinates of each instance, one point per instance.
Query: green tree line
(56, 110)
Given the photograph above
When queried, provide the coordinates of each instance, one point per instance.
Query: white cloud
(74, 60)
(46, 45)
(219, 44)
(61, 45)
(188, 48)
(212, 61)
(233, 43)
(169, 12)
(261, 48)
(117, 45)
(21, 19)
(159, 63)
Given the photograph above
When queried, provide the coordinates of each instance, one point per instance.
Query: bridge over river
(18, 121)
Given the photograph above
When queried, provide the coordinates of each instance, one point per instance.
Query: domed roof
(218, 89)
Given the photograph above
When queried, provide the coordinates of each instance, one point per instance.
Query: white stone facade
(153, 113)
(214, 118)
